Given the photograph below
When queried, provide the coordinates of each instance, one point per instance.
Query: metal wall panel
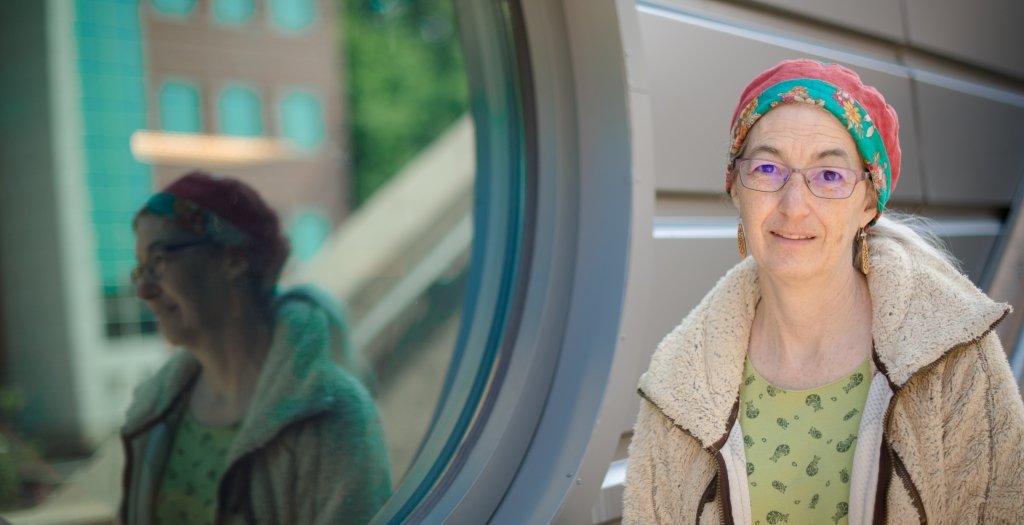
(981, 32)
(698, 67)
(882, 18)
(684, 270)
(971, 141)
(973, 252)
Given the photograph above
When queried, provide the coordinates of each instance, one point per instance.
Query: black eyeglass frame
(148, 268)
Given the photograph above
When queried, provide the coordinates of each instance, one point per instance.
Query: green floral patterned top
(188, 490)
(799, 447)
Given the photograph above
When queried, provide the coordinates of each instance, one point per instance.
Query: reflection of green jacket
(310, 449)
(941, 434)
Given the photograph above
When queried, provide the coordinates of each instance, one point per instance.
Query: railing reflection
(398, 263)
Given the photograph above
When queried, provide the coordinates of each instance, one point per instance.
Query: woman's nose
(147, 289)
(795, 195)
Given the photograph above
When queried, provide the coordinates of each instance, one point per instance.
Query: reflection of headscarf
(872, 122)
(228, 212)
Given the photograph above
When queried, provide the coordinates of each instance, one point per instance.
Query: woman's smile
(789, 236)
(163, 311)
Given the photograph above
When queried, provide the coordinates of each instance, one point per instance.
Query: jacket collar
(921, 309)
(154, 399)
(298, 380)
(696, 370)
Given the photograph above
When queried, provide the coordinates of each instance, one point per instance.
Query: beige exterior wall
(213, 56)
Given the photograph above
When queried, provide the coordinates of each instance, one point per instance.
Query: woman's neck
(809, 334)
(231, 361)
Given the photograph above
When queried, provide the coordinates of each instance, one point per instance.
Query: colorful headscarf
(871, 121)
(227, 211)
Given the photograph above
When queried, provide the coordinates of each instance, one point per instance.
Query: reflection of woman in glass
(252, 422)
(846, 372)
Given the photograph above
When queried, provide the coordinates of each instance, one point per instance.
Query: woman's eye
(832, 176)
(766, 169)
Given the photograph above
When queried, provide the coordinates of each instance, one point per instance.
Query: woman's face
(183, 279)
(793, 234)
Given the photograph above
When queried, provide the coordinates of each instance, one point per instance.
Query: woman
(252, 421)
(804, 388)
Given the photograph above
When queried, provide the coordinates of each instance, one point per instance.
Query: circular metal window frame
(553, 231)
(501, 107)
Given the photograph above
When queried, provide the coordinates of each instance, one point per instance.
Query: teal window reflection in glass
(179, 107)
(292, 15)
(308, 232)
(302, 119)
(233, 12)
(400, 266)
(174, 7)
(239, 109)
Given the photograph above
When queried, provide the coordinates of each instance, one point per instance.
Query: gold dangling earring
(741, 241)
(864, 265)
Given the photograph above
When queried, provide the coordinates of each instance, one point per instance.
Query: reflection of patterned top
(188, 490)
(799, 447)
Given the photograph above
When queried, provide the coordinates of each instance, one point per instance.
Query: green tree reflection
(405, 79)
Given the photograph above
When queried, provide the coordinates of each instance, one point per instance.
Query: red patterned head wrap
(229, 212)
(859, 107)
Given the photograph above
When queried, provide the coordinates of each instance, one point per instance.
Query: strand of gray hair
(914, 231)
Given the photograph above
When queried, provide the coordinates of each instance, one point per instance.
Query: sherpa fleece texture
(953, 444)
(310, 449)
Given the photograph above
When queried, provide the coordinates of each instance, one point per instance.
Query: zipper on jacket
(235, 498)
(900, 470)
(897, 465)
(708, 496)
(723, 490)
(127, 443)
(129, 464)
(717, 491)
(721, 487)
(721, 472)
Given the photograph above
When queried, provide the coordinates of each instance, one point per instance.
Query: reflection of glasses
(153, 268)
(826, 182)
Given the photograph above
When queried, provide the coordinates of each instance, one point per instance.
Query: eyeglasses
(826, 182)
(153, 268)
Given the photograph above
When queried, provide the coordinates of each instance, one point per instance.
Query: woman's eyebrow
(834, 152)
(763, 148)
(824, 154)
(158, 245)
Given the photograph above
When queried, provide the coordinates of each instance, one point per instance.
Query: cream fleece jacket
(942, 437)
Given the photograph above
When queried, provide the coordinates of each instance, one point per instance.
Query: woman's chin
(173, 334)
(790, 268)
(171, 338)
(804, 269)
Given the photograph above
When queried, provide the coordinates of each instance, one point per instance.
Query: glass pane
(233, 11)
(292, 15)
(308, 233)
(240, 112)
(302, 119)
(174, 7)
(352, 124)
(179, 108)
